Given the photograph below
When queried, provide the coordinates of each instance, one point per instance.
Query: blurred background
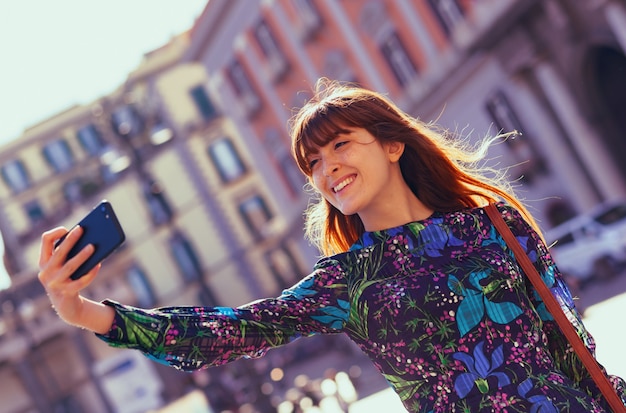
(177, 114)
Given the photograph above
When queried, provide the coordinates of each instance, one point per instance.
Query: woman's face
(355, 172)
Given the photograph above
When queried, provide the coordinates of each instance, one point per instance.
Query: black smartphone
(100, 228)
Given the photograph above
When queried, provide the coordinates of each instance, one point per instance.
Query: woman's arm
(189, 338)
(64, 293)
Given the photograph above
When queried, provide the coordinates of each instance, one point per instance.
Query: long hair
(444, 172)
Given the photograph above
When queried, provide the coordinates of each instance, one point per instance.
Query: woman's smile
(344, 182)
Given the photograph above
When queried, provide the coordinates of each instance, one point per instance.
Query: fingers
(48, 240)
(86, 279)
(59, 251)
(53, 263)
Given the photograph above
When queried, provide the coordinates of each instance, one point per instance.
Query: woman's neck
(402, 208)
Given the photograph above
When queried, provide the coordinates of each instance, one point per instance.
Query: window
(502, 113)
(114, 162)
(79, 188)
(34, 212)
(160, 133)
(612, 215)
(15, 175)
(72, 190)
(185, 257)
(203, 103)
(309, 16)
(126, 121)
(283, 266)
(91, 140)
(141, 287)
(226, 159)
(292, 173)
(276, 65)
(398, 59)
(59, 155)
(288, 168)
(529, 162)
(255, 214)
(337, 66)
(448, 12)
(160, 210)
(248, 98)
(266, 40)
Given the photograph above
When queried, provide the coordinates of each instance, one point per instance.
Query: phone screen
(102, 229)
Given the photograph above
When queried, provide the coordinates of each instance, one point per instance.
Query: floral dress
(439, 306)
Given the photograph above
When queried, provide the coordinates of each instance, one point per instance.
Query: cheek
(315, 181)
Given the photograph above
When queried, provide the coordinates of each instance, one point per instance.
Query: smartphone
(100, 228)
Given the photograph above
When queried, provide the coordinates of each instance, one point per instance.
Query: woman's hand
(64, 293)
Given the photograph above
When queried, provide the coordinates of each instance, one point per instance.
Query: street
(603, 317)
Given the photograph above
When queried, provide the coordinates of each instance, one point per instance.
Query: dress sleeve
(564, 356)
(191, 338)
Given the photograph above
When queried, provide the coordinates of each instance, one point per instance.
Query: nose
(330, 165)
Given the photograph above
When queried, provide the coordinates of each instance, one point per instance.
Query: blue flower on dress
(480, 369)
(549, 278)
(365, 241)
(494, 238)
(335, 317)
(301, 290)
(436, 237)
(475, 304)
(540, 402)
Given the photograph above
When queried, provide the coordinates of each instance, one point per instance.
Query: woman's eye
(340, 144)
(312, 163)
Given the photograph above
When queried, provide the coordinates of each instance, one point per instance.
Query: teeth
(343, 184)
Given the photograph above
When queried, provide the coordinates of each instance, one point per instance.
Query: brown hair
(441, 170)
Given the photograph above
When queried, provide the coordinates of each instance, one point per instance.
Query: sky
(55, 54)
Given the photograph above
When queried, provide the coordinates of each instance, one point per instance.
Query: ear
(395, 150)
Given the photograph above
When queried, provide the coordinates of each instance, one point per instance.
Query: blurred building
(193, 152)
(553, 70)
(202, 225)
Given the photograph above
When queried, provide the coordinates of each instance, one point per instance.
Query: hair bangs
(317, 130)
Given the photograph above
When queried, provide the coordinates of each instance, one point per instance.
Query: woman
(414, 273)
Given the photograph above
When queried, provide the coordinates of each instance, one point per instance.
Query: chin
(347, 211)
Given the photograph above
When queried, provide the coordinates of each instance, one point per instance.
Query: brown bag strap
(555, 309)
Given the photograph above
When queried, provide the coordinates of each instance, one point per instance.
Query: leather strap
(555, 309)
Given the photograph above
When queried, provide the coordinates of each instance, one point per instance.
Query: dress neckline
(369, 238)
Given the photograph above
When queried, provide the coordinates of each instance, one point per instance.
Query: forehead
(329, 140)
(319, 132)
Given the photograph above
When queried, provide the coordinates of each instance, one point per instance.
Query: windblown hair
(444, 172)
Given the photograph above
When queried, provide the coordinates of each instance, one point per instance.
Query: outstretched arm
(190, 338)
(64, 293)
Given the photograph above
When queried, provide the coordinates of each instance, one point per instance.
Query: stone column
(591, 149)
(615, 14)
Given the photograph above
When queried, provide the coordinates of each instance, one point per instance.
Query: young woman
(414, 273)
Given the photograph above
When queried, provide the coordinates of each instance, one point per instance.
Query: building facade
(193, 152)
(548, 69)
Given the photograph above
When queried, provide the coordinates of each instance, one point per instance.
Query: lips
(343, 183)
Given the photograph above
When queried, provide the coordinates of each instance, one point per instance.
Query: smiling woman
(85, 55)
(357, 174)
(415, 274)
